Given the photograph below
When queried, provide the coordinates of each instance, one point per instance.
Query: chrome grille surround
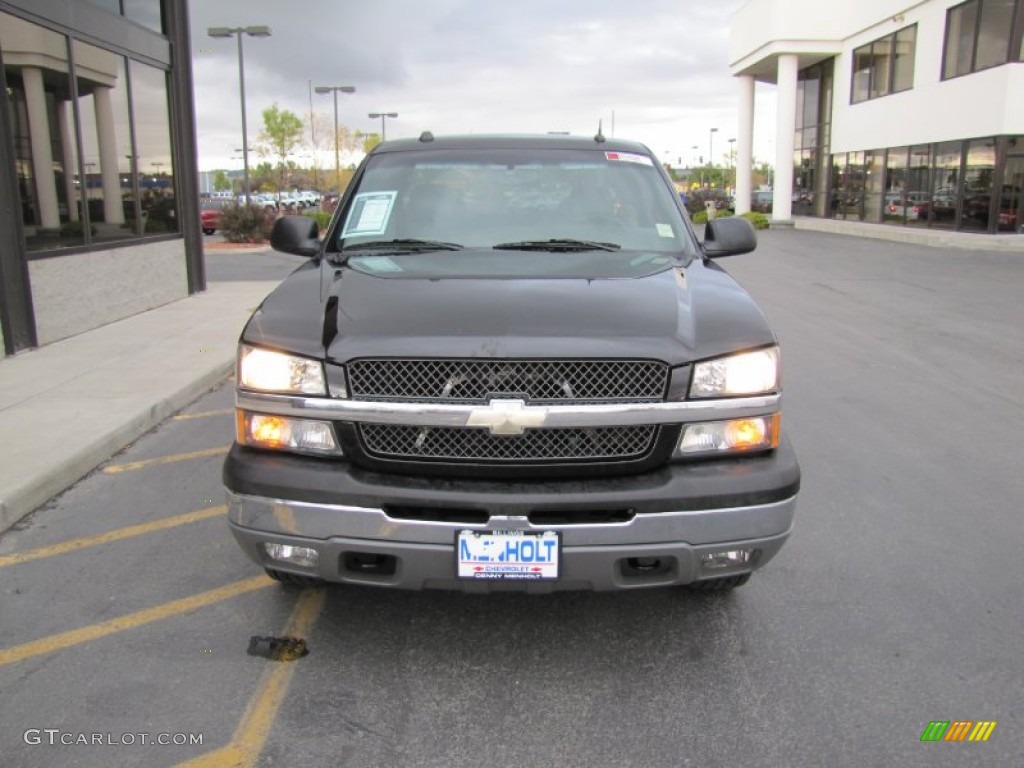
(535, 381)
(412, 443)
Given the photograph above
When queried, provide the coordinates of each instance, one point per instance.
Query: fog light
(286, 553)
(264, 430)
(734, 436)
(726, 559)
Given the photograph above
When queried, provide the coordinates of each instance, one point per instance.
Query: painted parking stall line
(114, 469)
(119, 534)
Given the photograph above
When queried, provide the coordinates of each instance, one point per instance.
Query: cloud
(468, 66)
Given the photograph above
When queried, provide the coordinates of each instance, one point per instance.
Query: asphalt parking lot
(127, 608)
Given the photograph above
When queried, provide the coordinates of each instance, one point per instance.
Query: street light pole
(711, 152)
(238, 32)
(337, 155)
(383, 116)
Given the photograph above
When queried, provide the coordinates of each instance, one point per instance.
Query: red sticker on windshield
(628, 157)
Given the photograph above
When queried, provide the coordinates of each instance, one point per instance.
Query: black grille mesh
(537, 381)
(466, 444)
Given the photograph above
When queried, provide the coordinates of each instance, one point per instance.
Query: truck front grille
(575, 444)
(536, 381)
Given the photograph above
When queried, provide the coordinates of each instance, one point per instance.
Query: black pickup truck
(510, 364)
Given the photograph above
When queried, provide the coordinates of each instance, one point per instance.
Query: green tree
(282, 131)
(370, 140)
(221, 182)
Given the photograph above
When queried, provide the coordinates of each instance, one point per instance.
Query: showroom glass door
(1011, 203)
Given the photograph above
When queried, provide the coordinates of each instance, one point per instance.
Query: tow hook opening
(369, 564)
(646, 567)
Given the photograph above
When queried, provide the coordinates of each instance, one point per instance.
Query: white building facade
(910, 114)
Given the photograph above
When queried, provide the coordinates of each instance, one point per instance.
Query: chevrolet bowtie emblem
(507, 417)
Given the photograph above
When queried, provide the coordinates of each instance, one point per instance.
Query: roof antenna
(599, 138)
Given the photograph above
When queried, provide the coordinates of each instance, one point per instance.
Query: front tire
(209, 231)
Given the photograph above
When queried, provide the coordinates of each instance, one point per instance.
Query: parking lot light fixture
(335, 89)
(711, 151)
(259, 31)
(383, 116)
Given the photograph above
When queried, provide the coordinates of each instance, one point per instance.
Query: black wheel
(723, 584)
(293, 579)
(209, 231)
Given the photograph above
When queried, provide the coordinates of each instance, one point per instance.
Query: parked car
(909, 205)
(209, 213)
(761, 201)
(510, 364)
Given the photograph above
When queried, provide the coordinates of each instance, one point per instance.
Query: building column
(113, 209)
(42, 153)
(745, 144)
(67, 146)
(782, 199)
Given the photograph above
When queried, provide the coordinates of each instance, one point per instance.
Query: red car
(209, 212)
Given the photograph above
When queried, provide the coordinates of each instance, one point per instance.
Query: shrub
(700, 217)
(759, 220)
(323, 218)
(242, 223)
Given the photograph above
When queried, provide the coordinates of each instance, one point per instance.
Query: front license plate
(507, 555)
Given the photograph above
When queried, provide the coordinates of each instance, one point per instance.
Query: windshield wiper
(400, 244)
(557, 245)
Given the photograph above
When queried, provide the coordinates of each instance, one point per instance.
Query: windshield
(551, 200)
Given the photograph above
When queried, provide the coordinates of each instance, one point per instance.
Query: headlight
(734, 436)
(749, 373)
(268, 371)
(264, 430)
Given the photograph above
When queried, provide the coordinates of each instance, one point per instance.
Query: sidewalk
(67, 407)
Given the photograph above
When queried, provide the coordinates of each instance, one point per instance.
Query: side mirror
(296, 234)
(729, 236)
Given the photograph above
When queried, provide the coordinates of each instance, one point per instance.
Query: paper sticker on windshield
(665, 230)
(369, 214)
(628, 157)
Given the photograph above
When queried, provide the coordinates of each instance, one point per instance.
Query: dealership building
(97, 153)
(895, 112)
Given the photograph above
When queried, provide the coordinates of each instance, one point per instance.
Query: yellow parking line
(251, 734)
(115, 535)
(202, 414)
(93, 631)
(115, 468)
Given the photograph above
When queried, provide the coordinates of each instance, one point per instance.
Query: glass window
(812, 93)
(145, 12)
(977, 185)
(884, 66)
(880, 58)
(961, 23)
(153, 143)
(861, 73)
(106, 141)
(893, 204)
(42, 133)
(946, 184)
(918, 186)
(1011, 202)
(903, 61)
(114, 6)
(994, 29)
(874, 178)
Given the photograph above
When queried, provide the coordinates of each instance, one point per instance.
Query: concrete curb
(71, 405)
(25, 498)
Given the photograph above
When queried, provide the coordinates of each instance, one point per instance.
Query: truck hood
(677, 315)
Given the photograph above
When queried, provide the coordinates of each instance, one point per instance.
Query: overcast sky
(479, 66)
